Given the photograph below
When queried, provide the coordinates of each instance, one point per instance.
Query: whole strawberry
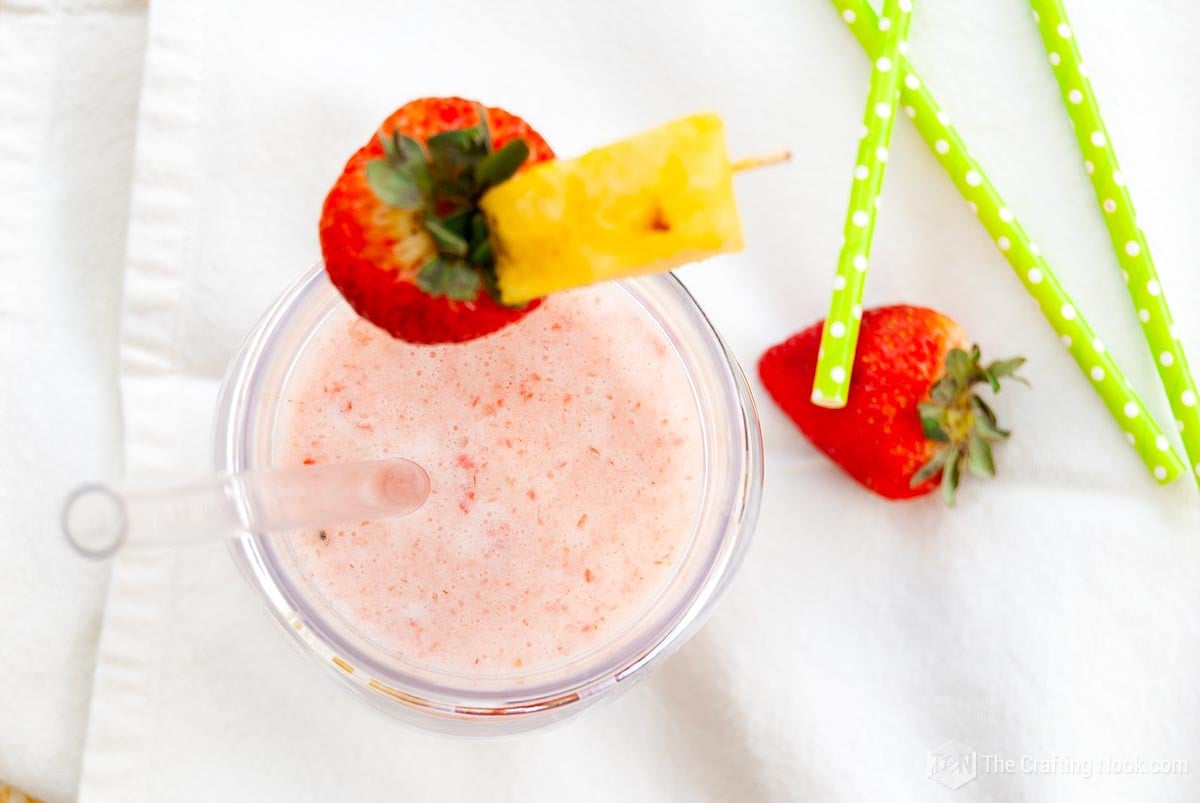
(401, 232)
(913, 411)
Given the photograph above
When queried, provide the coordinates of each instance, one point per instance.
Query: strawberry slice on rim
(401, 232)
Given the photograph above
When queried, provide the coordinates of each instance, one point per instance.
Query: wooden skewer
(761, 160)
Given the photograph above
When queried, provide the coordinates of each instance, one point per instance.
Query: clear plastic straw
(98, 519)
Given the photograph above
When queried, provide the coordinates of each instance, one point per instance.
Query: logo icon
(952, 764)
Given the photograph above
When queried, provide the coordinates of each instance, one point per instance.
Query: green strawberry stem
(1026, 260)
(443, 181)
(1116, 205)
(958, 417)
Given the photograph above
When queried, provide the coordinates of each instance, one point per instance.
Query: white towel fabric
(1053, 614)
(69, 79)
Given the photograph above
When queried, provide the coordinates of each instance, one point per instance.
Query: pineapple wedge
(646, 204)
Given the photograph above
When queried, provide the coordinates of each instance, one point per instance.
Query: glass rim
(234, 443)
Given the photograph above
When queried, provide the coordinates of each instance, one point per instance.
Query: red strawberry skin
(373, 252)
(877, 438)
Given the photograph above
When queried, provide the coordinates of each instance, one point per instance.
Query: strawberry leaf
(463, 283)
(958, 365)
(448, 241)
(450, 278)
(392, 187)
(945, 391)
(959, 417)
(1002, 368)
(933, 420)
(445, 178)
(478, 229)
(950, 476)
(931, 468)
(485, 132)
(979, 457)
(402, 150)
(455, 153)
(500, 165)
(406, 157)
(491, 284)
(391, 151)
(482, 253)
(1006, 367)
(460, 223)
(985, 420)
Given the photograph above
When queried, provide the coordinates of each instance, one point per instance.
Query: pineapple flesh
(646, 204)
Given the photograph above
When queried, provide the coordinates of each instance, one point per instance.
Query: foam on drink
(566, 463)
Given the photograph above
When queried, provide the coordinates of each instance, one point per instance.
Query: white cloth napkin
(69, 79)
(1052, 614)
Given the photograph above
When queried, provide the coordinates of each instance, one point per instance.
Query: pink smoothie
(566, 464)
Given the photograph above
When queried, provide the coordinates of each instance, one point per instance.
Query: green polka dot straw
(1100, 162)
(840, 335)
(1021, 253)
